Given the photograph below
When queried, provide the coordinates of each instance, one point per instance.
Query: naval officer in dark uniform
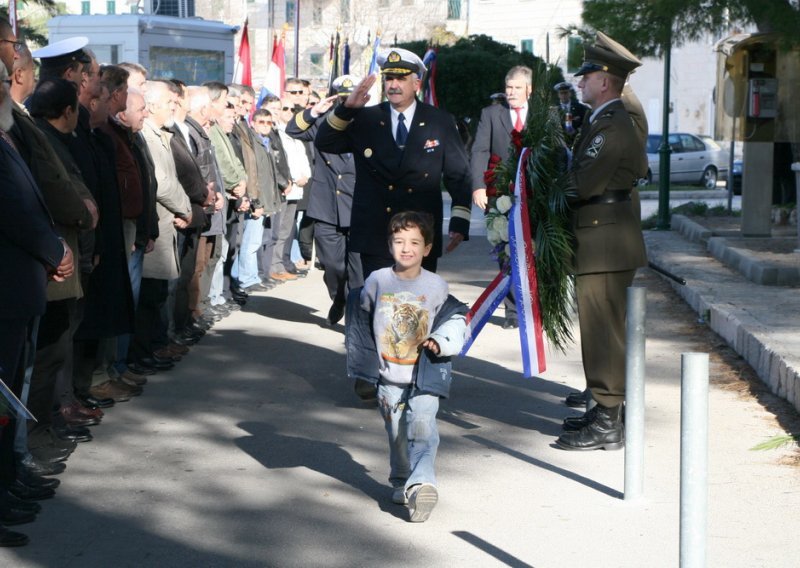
(331, 201)
(403, 150)
(609, 159)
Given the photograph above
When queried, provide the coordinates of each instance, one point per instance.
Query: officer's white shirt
(408, 114)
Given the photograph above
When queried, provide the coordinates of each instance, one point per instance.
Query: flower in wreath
(490, 175)
(503, 204)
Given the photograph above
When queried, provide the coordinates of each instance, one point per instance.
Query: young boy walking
(402, 329)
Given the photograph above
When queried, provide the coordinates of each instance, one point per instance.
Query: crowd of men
(151, 209)
(140, 211)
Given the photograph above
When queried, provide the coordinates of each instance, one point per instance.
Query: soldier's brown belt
(609, 196)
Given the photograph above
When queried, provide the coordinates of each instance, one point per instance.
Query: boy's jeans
(413, 435)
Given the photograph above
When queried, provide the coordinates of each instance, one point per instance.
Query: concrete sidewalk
(254, 452)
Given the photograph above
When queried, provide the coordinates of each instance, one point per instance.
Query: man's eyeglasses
(296, 92)
(288, 108)
(264, 123)
(18, 45)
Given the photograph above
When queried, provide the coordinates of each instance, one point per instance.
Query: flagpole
(296, 39)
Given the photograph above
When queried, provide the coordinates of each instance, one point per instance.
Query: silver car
(694, 159)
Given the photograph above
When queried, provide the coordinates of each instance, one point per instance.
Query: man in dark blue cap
(609, 158)
(403, 150)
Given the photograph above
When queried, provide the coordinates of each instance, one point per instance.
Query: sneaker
(422, 499)
(399, 496)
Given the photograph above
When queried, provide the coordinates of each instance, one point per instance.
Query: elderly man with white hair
(174, 210)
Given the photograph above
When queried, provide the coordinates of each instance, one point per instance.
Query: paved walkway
(253, 452)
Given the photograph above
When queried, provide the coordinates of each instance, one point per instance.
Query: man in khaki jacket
(174, 210)
(609, 159)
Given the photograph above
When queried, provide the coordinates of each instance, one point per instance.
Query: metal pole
(730, 164)
(296, 40)
(694, 459)
(634, 391)
(664, 150)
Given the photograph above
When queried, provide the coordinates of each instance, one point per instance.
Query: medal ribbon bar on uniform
(523, 279)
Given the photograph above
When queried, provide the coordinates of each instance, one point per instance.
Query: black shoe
(336, 313)
(11, 502)
(50, 456)
(44, 437)
(33, 480)
(510, 322)
(32, 466)
(90, 401)
(22, 491)
(575, 423)
(71, 434)
(11, 538)
(155, 363)
(605, 432)
(140, 369)
(577, 399)
(12, 517)
(260, 287)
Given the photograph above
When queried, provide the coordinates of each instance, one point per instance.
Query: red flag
(243, 75)
(276, 72)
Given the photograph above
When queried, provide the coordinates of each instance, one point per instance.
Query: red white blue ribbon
(523, 280)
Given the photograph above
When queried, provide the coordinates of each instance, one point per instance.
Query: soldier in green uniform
(609, 158)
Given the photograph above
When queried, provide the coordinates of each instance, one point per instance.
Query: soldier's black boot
(575, 423)
(606, 431)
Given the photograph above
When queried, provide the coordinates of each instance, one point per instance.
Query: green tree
(649, 27)
(33, 27)
(473, 68)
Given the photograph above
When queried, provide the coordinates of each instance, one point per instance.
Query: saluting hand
(322, 106)
(359, 97)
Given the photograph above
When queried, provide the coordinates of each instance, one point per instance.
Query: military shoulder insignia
(394, 57)
(594, 147)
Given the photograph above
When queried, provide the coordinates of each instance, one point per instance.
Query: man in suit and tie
(403, 150)
(493, 137)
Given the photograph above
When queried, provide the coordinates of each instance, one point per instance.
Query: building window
(291, 8)
(177, 8)
(574, 53)
(317, 66)
(344, 11)
(316, 13)
(111, 7)
(526, 46)
(86, 8)
(453, 9)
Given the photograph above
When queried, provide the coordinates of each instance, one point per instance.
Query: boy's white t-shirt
(404, 314)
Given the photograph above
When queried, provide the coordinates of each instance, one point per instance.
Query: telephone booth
(757, 104)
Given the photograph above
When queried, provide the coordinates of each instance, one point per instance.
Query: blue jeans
(413, 435)
(245, 267)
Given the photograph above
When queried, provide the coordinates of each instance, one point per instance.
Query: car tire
(709, 179)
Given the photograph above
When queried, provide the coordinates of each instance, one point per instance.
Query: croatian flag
(522, 279)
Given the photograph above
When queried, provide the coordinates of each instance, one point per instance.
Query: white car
(694, 159)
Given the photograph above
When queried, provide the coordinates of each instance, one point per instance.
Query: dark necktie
(518, 126)
(402, 131)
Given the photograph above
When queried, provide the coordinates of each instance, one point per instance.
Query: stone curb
(761, 346)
